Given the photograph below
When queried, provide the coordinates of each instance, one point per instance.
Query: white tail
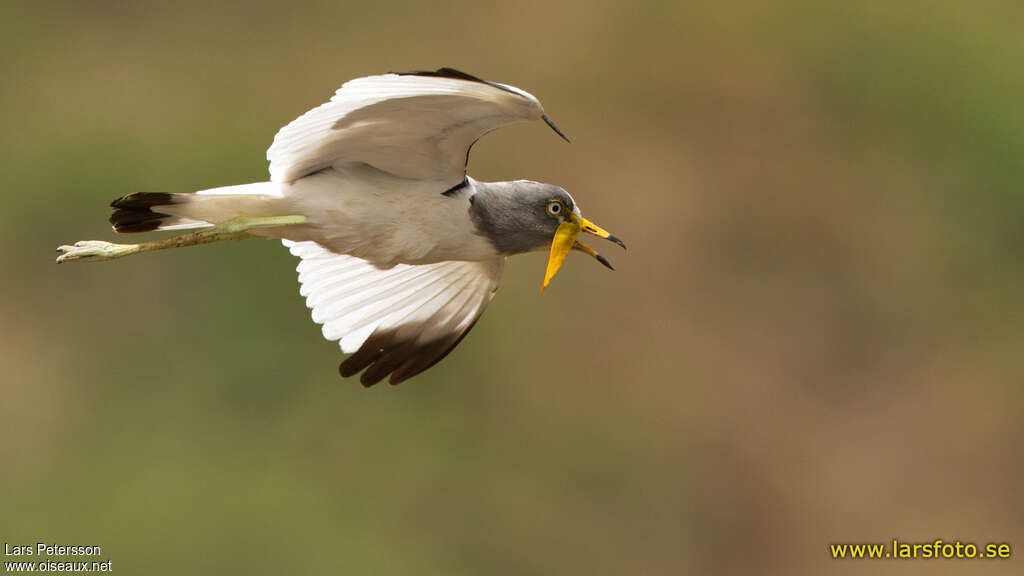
(147, 211)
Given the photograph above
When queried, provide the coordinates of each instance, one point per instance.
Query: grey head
(520, 216)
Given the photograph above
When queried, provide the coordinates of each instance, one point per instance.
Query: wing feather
(399, 321)
(416, 126)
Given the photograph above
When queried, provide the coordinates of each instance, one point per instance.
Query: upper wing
(398, 321)
(417, 125)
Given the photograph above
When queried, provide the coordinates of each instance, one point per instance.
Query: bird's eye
(554, 208)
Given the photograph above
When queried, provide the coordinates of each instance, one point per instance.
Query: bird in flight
(400, 249)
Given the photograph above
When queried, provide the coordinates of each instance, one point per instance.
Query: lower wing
(399, 321)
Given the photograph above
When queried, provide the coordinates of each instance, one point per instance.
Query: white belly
(384, 220)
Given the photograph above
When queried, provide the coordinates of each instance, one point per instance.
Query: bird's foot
(93, 250)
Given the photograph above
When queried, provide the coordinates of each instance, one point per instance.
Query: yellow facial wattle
(566, 239)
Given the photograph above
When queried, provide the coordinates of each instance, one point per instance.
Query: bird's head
(526, 216)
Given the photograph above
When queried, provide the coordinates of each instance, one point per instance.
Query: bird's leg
(236, 229)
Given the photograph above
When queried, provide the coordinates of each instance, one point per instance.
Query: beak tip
(547, 120)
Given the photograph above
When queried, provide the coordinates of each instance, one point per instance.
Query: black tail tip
(143, 200)
(134, 212)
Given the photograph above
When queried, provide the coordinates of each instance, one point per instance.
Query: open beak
(566, 239)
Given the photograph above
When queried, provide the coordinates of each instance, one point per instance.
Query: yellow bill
(565, 240)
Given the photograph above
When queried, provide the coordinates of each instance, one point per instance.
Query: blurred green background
(815, 336)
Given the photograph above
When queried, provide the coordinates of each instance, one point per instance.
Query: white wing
(398, 321)
(418, 125)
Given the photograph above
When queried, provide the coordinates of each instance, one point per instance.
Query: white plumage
(400, 250)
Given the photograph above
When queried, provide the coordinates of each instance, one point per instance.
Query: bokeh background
(815, 336)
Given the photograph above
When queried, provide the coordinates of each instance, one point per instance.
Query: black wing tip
(444, 72)
(387, 354)
(547, 119)
(457, 75)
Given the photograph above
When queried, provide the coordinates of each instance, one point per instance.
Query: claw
(92, 250)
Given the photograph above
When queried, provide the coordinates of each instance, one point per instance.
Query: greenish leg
(237, 229)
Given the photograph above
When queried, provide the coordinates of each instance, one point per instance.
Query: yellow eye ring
(554, 208)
